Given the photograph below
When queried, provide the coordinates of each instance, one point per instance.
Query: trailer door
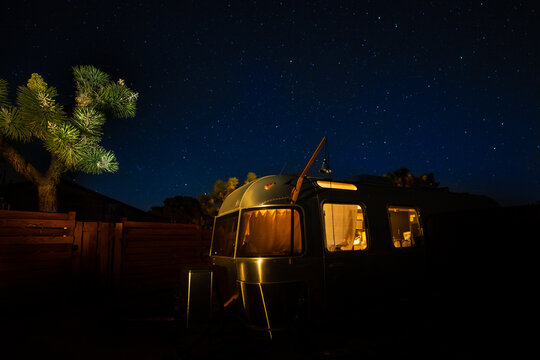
(345, 241)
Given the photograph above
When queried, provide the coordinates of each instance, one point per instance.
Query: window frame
(366, 225)
(420, 223)
(232, 213)
(267, 207)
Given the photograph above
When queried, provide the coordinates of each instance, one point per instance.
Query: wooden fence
(36, 252)
(153, 256)
(140, 263)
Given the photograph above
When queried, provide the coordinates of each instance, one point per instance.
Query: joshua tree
(71, 139)
(211, 202)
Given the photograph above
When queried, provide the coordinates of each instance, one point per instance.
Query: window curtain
(339, 223)
(267, 232)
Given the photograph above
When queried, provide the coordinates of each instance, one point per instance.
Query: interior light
(336, 185)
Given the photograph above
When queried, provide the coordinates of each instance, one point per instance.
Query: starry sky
(229, 87)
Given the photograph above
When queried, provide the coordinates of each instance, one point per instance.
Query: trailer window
(405, 226)
(345, 227)
(225, 235)
(270, 232)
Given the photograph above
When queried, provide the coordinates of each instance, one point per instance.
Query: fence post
(103, 253)
(89, 251)
(76, 250)
(117, 253)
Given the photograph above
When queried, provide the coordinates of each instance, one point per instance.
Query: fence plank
(147, 268)
(89, 251)
(34, 231)
(163, 231)
(161, 250)
(35, 240)
(34, 223)
(14, 214)
(77, 250)
(165, 243)
(105, 235)
(165, 254)
(161, 237)
(135, 266)
(153, 225)
(117, 253)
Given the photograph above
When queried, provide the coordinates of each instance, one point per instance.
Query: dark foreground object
(95, 331)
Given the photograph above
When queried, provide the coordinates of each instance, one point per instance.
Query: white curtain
(340, 225)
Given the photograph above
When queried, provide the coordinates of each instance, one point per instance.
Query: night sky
(226, 87)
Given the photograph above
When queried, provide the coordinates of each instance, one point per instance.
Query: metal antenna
(283, 168)
(296, 190)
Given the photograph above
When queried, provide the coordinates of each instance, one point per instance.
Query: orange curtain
(267, 232)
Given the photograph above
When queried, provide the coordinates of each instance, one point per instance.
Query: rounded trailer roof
(276, 189)
(272, 189)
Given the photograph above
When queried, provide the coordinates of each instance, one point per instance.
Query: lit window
(345, 227)
(405, 226)
(270, 232)
(336, 185)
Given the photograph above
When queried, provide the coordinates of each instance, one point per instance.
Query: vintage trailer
(279, 259)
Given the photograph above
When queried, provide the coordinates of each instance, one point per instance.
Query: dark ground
(90, 332)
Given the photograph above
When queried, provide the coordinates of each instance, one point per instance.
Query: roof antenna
(296, 190)
(283, 168)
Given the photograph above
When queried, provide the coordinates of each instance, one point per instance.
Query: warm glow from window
(405, 226)
(336, 185)
(345, 227)
(270, 232)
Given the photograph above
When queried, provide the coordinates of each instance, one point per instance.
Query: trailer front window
(225, 235)
(270, 232)
(345, 227)
(405, 226)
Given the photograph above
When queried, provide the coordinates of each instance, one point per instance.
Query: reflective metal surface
(199, 297)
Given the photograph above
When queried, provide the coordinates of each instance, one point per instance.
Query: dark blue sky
(227, 87)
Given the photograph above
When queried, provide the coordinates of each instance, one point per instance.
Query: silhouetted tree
(73, 140)
(182, 210)
(403, 177)
(210, 203)
(250, 177)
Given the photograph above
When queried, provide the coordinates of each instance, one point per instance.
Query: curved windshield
(270, 232)
(225, 235)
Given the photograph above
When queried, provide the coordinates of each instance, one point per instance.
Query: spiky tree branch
(73, 141)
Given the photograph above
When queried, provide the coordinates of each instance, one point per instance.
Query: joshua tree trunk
(47, 197)
(46, 183)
